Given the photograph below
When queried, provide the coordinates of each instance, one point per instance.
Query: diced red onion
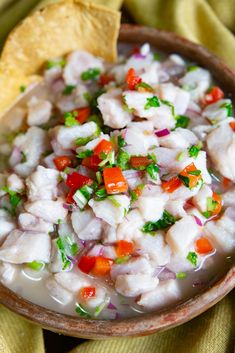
(15, 157)
(117, 316)
(198, 283)
(166, 274)
(58, 85)
(67, 206)
(198, 221)
(111, 306)
(132, 174)
(139, 56)
(162, 133)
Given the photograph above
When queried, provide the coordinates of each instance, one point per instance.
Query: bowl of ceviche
(117, 213)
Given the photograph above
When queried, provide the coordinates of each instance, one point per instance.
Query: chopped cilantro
(85, 154)
(23, 157)
(68, 90)
(181, 275)
(144, 85)
(101, 194)
(166, 221)
(184, 179)
(122, 259)
(99, 177)
(194, 150)
(152, 102)
(152, 157)
(114, 201)
(66, 248)
(182, 121)
(59, 221)
(152, 170)
(180, 156)
(14, 199)
(195, 172)
(156, 56)
(81, 311)
(35, 265)
(228, 107)
(121, 141)
(192, 257)
(123, 159)
(192, 68)
(134, 196)
(90, 74)
(22, 89)
(59, 63)
(109, 158)
(169, 104)
(70, 119)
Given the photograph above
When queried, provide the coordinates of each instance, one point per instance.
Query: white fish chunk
(222, 232)
(200, 199)
(29, 222)
(67, 136)
(15, 183)
(182, 233)
(78, 62)
(7, 224)
(155, 248)
(21, 247)
(42, 184)
(221, 150)
(134, 266)
(179, 138)
(111, 106)
(86, 225)
(133, 285)
(166, 294)
(130, 226)
(57, 292)
(48, 210)
(109, 212)
(39, 111)
(33, 143)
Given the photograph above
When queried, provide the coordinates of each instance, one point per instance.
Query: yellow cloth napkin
(210, 23)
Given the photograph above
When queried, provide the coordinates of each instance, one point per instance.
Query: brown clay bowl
(168, 318)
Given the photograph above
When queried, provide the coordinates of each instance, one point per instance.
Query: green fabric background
(210, 23)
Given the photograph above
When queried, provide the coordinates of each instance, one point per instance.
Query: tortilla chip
(59, 29)
(10, 83)
(51, 32)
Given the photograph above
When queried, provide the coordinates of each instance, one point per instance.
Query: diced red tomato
(114, 180)
(103, 146)
(132, 79)
(171, 185)
(76, 180)
(102, 266)
(193, 179)
(92, 162)
(82, 114)
(203, 246)
(105, 79)
(213, 95)
(88, 292)
(135, 50)
(69, 197)
(140, 161)
(218, 206)
(86, 263)
(226, 182)
(232, 125)
(62, 162)
(124, 248)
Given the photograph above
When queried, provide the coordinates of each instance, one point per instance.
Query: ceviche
(117, 193)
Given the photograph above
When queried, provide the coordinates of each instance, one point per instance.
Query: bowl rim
(149, 322)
